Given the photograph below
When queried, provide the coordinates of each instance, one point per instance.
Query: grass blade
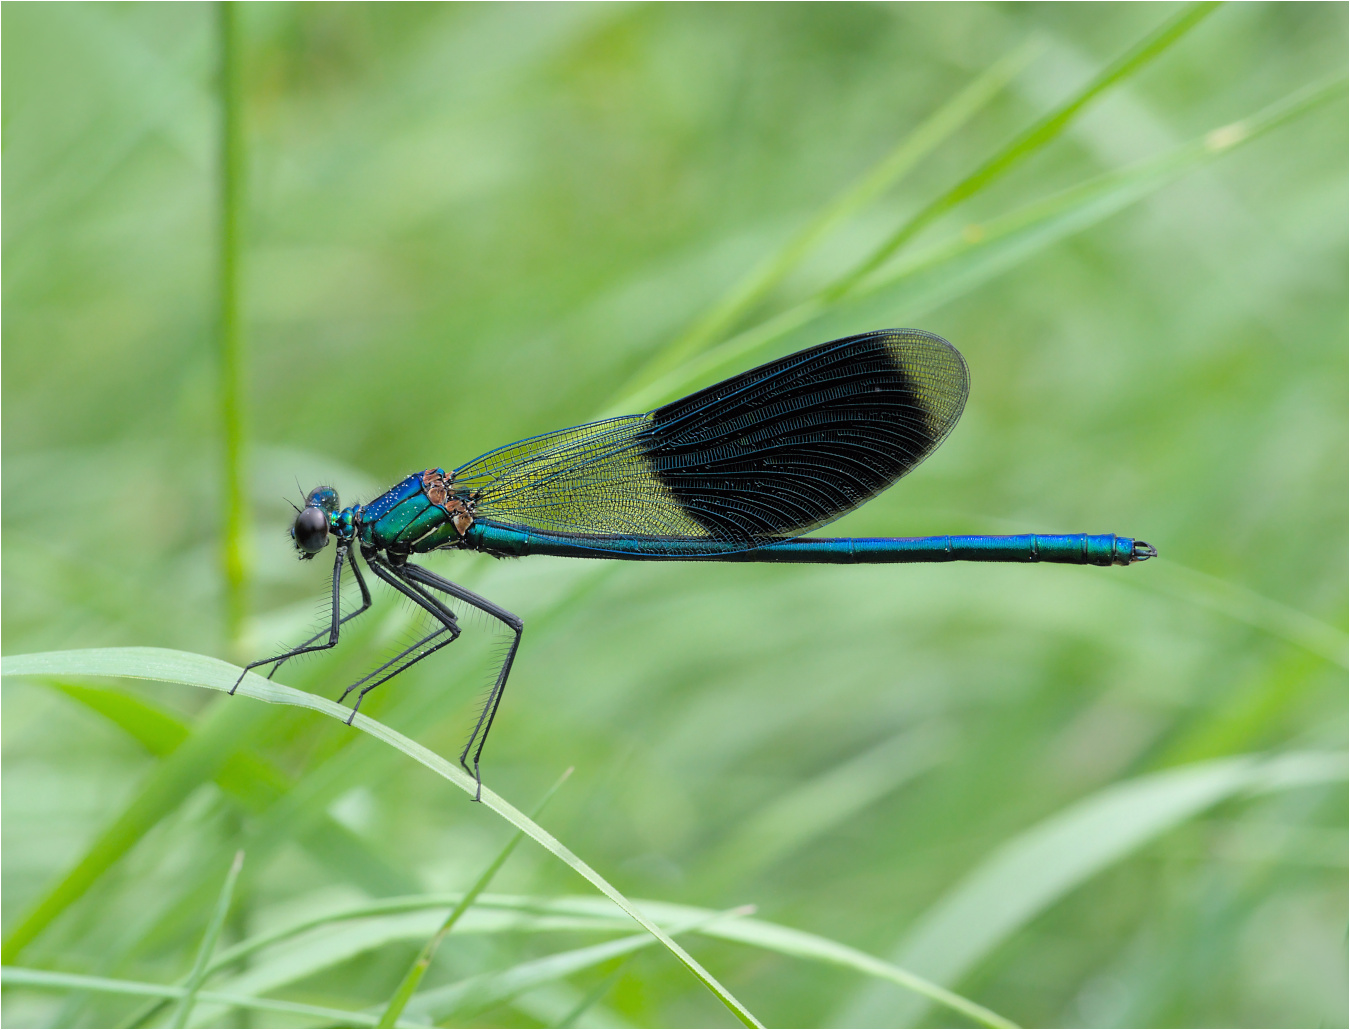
(589, 913)
(213, 674)
(1247, 606)
(18, 976)
(150, 726)
(952, 269)
(329, 943)
(251, 780)
(787, 941)
(593, 996)
(480, 992)
(195, 762)
(1039, 866)
(1030, 141)
(230, 344)
(208, 945)
(814, 808)
(918, 144)
(413, 977)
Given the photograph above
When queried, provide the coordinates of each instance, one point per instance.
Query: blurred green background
(469, 224)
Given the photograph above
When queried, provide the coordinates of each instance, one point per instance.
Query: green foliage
(413, 978)
(1077, 796)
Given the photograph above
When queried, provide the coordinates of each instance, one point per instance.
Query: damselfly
(735, 472)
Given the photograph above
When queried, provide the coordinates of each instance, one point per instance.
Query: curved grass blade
(18, 976)
(593, 996)
(250, 779)
(585, 913)
(301, 811)
(195, 762)
(208, 946)
(422, 963)
(481, 992)
(1247, 606)
(801, 944)
(213, 674)
(326, 947)
(815, 807)
(894, 166)
(217, 740)
(1030, 141)
(952, 269)
(1039, 866)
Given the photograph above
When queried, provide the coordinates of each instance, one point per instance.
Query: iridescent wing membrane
(767, 455)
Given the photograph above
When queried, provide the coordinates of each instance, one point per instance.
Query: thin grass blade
(45, 979)
(196, 761)
(954, 268)
(230, 335)
(550, 914)
(1039, 866)
(1247, 606)
(208, 945)
(894, 166)
(213, 674)
(422, 963)
(1030, 141)
(481, 992)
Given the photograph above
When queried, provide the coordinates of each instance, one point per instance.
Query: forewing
(771, 453)
(594, 479)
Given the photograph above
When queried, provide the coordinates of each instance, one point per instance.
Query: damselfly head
(310, 531)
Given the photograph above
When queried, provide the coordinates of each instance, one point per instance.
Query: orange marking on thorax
(438, 488)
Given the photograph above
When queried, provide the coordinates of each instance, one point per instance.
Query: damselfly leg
(411, 655)
(338, 619)
(416, 578)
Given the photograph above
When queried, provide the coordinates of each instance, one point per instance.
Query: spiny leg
(365, 605)
(412, 649)
(409, 656)
(333, 630)
(429, 579)
(396, 659)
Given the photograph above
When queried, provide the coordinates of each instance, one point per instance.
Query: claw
(1143, 551)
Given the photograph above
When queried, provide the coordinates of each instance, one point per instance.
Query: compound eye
(311, 530)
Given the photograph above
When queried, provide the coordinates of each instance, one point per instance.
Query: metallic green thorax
(420, 514)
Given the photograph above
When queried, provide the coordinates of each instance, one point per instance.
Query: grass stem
(422, 963)
(230, 342)
(208, 946)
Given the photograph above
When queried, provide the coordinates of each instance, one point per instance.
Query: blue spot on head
(324, 497)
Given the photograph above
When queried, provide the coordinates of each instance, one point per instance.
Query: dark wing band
(771, 453)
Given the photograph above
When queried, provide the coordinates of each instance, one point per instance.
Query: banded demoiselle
(738, 471)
